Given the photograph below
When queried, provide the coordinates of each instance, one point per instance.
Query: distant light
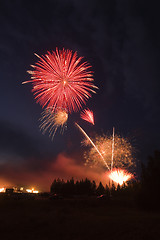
(35, 191)
(32, 190)
(29, 190)
(2, 190)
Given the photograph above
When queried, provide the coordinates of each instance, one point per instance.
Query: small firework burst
(50, 121)
(120, 176)
(88, 116)
(61, 80)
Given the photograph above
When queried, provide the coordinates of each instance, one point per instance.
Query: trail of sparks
(87, 115)
(85, 134)
(112, 149)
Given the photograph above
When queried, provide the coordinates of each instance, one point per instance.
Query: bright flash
(120, 176)
(64, 82)
(2, 190)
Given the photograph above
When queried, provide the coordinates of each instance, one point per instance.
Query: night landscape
(79, 119)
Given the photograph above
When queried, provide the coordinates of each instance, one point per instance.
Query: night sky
(120, 39)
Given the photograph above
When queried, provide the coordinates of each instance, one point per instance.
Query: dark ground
(76, 219)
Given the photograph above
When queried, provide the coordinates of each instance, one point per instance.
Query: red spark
(60, 80)
(87, 115)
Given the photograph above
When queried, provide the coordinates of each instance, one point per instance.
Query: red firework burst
(87, 115)
(60, 80)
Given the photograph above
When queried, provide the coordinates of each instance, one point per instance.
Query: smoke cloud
(62, 167)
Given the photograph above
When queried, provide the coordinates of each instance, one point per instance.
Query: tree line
(144, 192)
(82, 187)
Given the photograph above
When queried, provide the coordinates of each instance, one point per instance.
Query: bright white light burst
(119, 176)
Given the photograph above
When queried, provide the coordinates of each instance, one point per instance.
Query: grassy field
(75, 219)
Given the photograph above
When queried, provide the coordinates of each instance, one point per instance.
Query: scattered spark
(88, 116)
(61, 81)
(123, 152)
(119, 176)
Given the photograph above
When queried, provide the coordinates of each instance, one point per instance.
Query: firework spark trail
(112, 149)
(85, 134)
(87, 115)
(61, 80)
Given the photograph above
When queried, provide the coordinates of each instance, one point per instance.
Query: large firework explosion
(61, 80)
(123, 152)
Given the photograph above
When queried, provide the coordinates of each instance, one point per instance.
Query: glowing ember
(61, 81)
(119, 176)
(51, 121)
(87, 115)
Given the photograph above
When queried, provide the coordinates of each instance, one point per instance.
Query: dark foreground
(83, 219)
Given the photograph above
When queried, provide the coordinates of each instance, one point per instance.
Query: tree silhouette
(57, 186)
(82, 187)
(149, 196)
(100, 190)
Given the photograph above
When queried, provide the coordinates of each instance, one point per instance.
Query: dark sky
(119, 38)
